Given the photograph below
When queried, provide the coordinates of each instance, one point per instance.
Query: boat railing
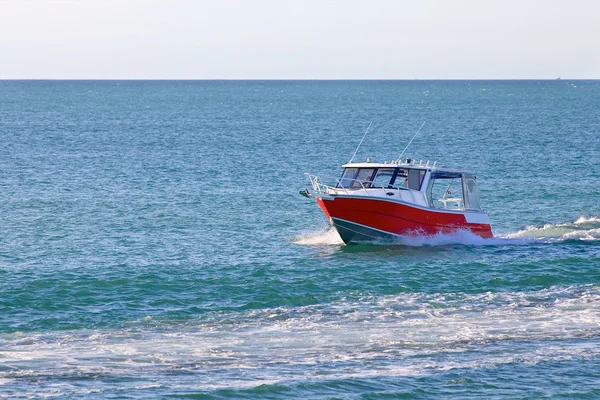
(361, 183)
(326, 189)
(316, 185)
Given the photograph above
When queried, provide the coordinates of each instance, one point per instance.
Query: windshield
(363, 178)
(383, 178)
(347, 177)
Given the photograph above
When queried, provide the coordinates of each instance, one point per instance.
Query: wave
(420, 320)
(582, 229)
(360, 336)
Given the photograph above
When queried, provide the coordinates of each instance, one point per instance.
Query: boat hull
(360, 219)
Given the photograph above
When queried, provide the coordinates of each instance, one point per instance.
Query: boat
(383, 201)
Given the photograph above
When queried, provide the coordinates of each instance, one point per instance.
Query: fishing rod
(413, 138)
(361, 140)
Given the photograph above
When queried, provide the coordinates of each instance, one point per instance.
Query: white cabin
(421, 184)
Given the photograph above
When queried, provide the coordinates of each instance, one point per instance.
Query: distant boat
(373, 201)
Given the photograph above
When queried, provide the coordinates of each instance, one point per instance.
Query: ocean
(153, 243)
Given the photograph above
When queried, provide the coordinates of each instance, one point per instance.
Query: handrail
(322, 188)
(355, 180)
(318, 186)
(326, 189)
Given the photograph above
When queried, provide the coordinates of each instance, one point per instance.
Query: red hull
(363, 218)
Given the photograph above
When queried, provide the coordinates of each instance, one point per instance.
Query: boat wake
(583, 229)
(364, 337)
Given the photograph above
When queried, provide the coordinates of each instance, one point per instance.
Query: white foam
(327, 238)
(585, 229)
(584, 220)
(463, 237)
(404, 334)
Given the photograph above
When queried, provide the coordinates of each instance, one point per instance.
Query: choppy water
(153, 243)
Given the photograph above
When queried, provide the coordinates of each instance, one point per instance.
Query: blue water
(153, 243)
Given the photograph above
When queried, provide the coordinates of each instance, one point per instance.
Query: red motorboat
(374, 201)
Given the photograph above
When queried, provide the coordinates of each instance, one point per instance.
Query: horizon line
(558, 79)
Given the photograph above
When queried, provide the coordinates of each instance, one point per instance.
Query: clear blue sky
(304, 39)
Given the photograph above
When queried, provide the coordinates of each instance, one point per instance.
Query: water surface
(154, 244)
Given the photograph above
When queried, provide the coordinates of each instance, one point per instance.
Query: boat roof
(409, 165)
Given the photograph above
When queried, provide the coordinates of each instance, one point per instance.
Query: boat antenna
(413, 138)
(361, 140)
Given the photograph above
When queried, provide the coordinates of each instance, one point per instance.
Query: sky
(300, 39)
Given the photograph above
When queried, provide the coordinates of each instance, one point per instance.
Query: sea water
(153, 243)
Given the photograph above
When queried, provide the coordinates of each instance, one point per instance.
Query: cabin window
(383, 178)
(409, 179)
(363, 178)
(445, 192)
(399, 181)
(471, 193)
(415, 178)
(453, 191)
(347, 177)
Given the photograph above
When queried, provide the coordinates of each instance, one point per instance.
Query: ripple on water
(372, 337)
